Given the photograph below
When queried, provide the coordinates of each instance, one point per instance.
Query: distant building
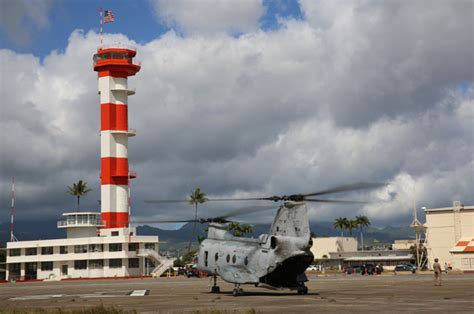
(450, 236)
(322, 247)
(403, 244)
(341, 252)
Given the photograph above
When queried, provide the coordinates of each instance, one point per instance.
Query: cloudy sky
(244, 98)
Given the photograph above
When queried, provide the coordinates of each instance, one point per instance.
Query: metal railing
(92, 222)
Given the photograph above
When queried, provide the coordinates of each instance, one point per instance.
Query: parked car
(192, 272)
(367, 269)
(378, 269)
(353, 269)
(405, 267)
(314, 268)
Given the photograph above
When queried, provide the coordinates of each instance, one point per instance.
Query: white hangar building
(450, 236)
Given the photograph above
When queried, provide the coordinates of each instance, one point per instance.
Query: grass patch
(216, 311)
(98, 309)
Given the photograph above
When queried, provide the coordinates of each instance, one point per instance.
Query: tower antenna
(12, 214)
(420, 235)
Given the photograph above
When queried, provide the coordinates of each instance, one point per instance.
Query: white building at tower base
(89, 251)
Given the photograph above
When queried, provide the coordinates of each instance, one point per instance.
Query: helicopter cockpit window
(206, 254)
(227, 258)
(216, 257)
(233, 259)
(273, 242)
(246, 260)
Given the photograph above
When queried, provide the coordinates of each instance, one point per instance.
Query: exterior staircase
(164, 263)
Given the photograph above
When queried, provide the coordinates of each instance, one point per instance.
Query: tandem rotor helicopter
(276, 260)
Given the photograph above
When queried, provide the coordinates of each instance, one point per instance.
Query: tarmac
(331, 293)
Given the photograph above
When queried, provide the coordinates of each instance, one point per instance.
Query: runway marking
(139, 293)
(37, 297)
(133, 293)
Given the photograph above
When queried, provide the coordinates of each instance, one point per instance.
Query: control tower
(114, 66)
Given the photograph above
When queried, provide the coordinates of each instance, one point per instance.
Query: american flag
(108, 16)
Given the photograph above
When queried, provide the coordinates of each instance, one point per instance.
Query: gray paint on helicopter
(247, 261)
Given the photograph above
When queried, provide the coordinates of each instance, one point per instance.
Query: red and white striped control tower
(114, 66)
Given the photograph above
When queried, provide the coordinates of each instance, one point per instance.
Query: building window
(47, 250)
(15, 252)
(96, 264)
(150, 246)
(133, 263)
(31, 251)
(115, 263)
(78, 249)
(96, 248)
(16, 267)
(115, 247)
(80, 264)
(132, 247)
(46, 265)
(115, 233)
(63, 249)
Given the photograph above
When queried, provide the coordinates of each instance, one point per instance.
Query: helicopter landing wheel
(215, 289)
(303, 290)
(237, 292)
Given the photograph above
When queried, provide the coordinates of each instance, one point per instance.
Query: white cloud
(210, 16)
(294, 110)
(15, 16)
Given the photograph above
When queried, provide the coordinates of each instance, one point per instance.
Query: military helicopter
(276, 260)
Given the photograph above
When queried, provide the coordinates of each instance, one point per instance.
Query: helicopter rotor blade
(347, 188)
(210, 200)
(164, 221)
(335, 201)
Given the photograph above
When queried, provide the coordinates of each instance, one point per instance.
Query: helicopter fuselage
(275, 260)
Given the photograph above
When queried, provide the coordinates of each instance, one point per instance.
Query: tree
(239, 230)
(351, 225)
(78, 189)
(341, 223)
(196, 197)
(362, 221)
(187, 258)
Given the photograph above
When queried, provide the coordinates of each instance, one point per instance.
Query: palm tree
(341, 223)
(362, 221)
(78, 189)
(196, 197)
(239, 230)
(351, 224)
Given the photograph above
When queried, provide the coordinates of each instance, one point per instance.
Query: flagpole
(101, 24)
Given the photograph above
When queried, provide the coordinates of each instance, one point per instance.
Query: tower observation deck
(114, 66)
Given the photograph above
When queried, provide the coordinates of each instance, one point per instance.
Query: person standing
(437, 272)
